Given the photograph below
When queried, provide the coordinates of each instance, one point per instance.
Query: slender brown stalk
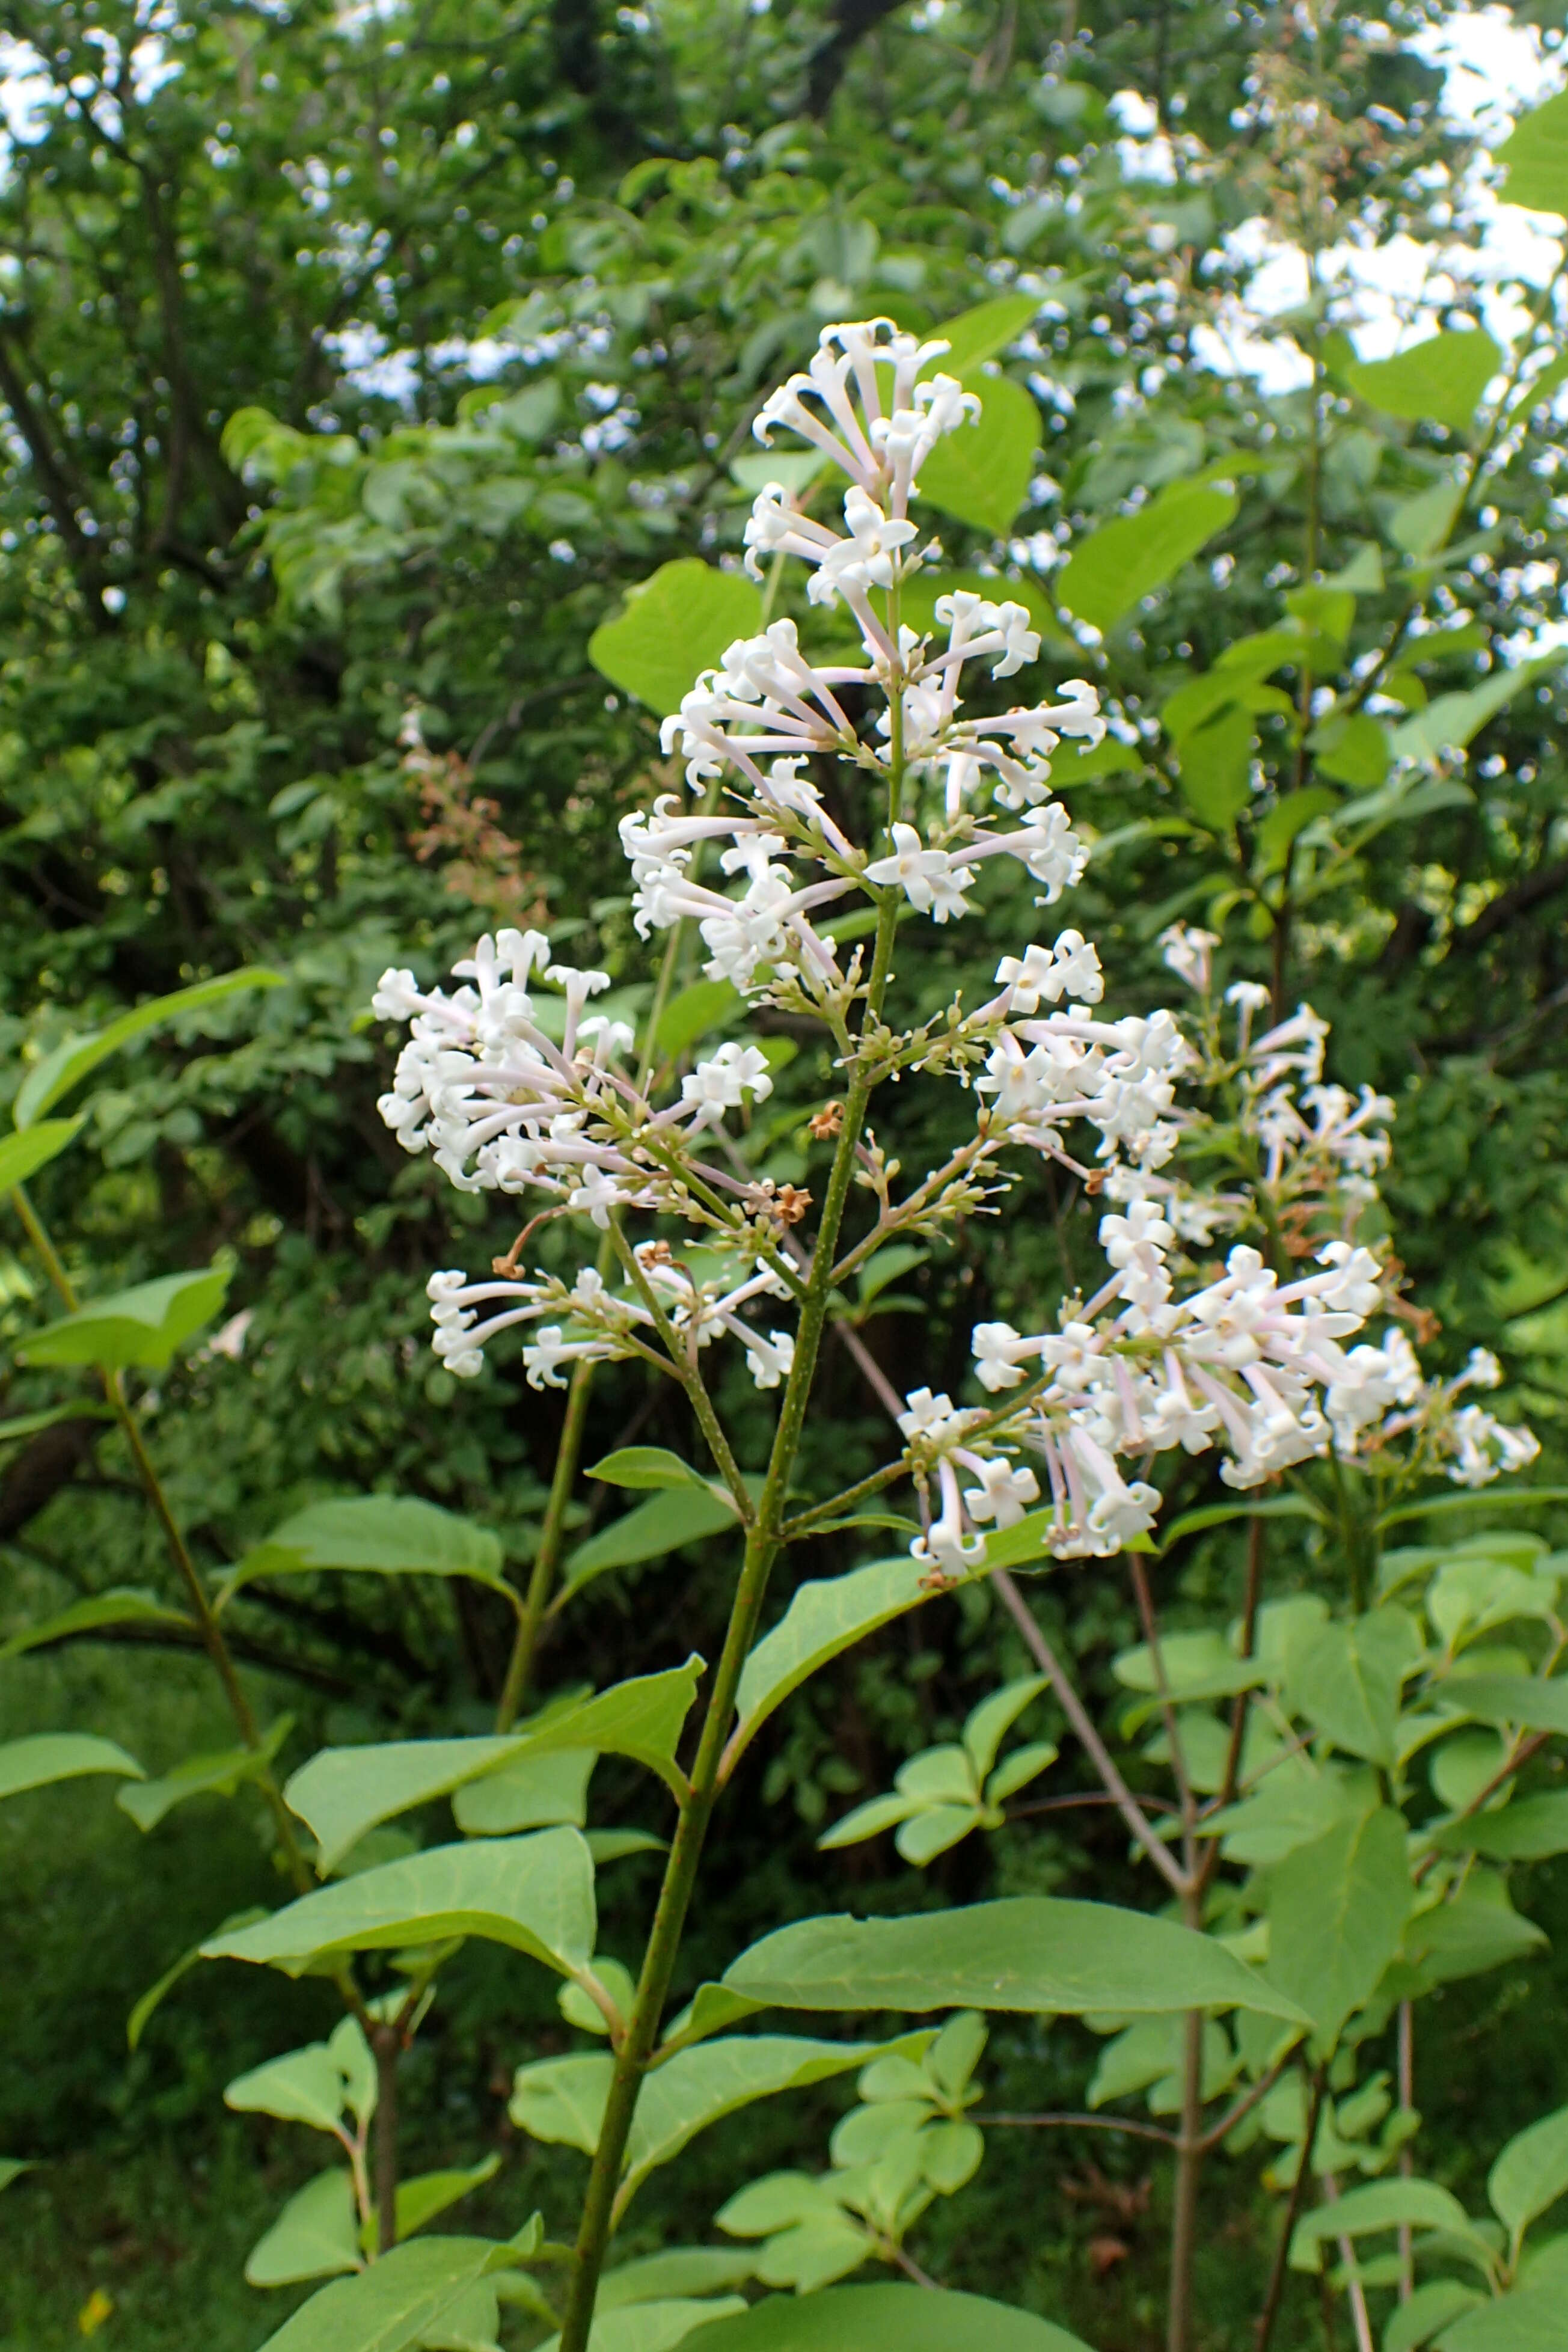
(1073, 1707)
(386, 2042)
(1189, 2170)
(1079, 2123)
(1274, 2293)
(1357, 2292)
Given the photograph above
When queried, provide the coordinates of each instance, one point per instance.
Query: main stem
(386, 2041)
(762, 1545)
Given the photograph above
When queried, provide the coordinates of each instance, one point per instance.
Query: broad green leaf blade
(1430, 2309)
(1526, 1701)
(315, 2236)
(917, 606)
(23, 1154)
(990, 1722)
(344, 1792)
(12, 2169)
(1451, 720)
(303, 2087)
(1440, 381)
(531, 1793)
(935, 1830)
(1528, 1830)
(115, 1607)
(1030, 1952)
(882, 2319)
(674, 624)
(981, 473)
(1215, 1515)
(823, 1619)
(49, 1756)
(136, 2023)
(1465, 1937)
(981, 335)
(693, 1011)
(429, 2193)
(391, 2306)
(1023, 1765)
(202, 1776)
(1110, 573)
(1380, 2205)
(1531, 2173)
(470, 2323)
(376, 1534)
(1530, 2321)
(646, 1466)
(1337, 1910)
(1535, 157)
(678, 2271)
(687, 1515)
(1491, 1498)
(651, 2326)
(143, 1326)
(29, 1424)
(70, 1063)
(698, 2086)
(562, 2100)
(534, 1894)
(1346, 1680)
(869, 1820)
(1292, 1806)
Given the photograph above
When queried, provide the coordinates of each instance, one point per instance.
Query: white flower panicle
(515, 1084)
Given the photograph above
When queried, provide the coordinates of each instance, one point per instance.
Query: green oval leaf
(344, 1792)
(823, 1619)
(394, 2304)
(315, 2236)
(376, 1534)
(1380, 2205)
(114, 1608)
(982, 333)
(645, 1465)
(1535, 157)
(203, 1776)
(1440, 381)
(1028, 1952)
(687, 1516)
(534, 1894)
(23, 1154)
(676, 624)
(1337, 1910)
(883, 2319)
(70, 1063)
(143, 1326)
(1531, 2173)
(1127, 559)
(981, 474)
(49, 1756)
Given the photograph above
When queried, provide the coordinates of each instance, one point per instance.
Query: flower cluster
(515, 1085)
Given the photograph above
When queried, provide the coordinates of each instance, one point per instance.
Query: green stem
(542, 1575)
(763, 1544)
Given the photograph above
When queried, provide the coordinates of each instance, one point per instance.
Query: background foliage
(358, 362)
